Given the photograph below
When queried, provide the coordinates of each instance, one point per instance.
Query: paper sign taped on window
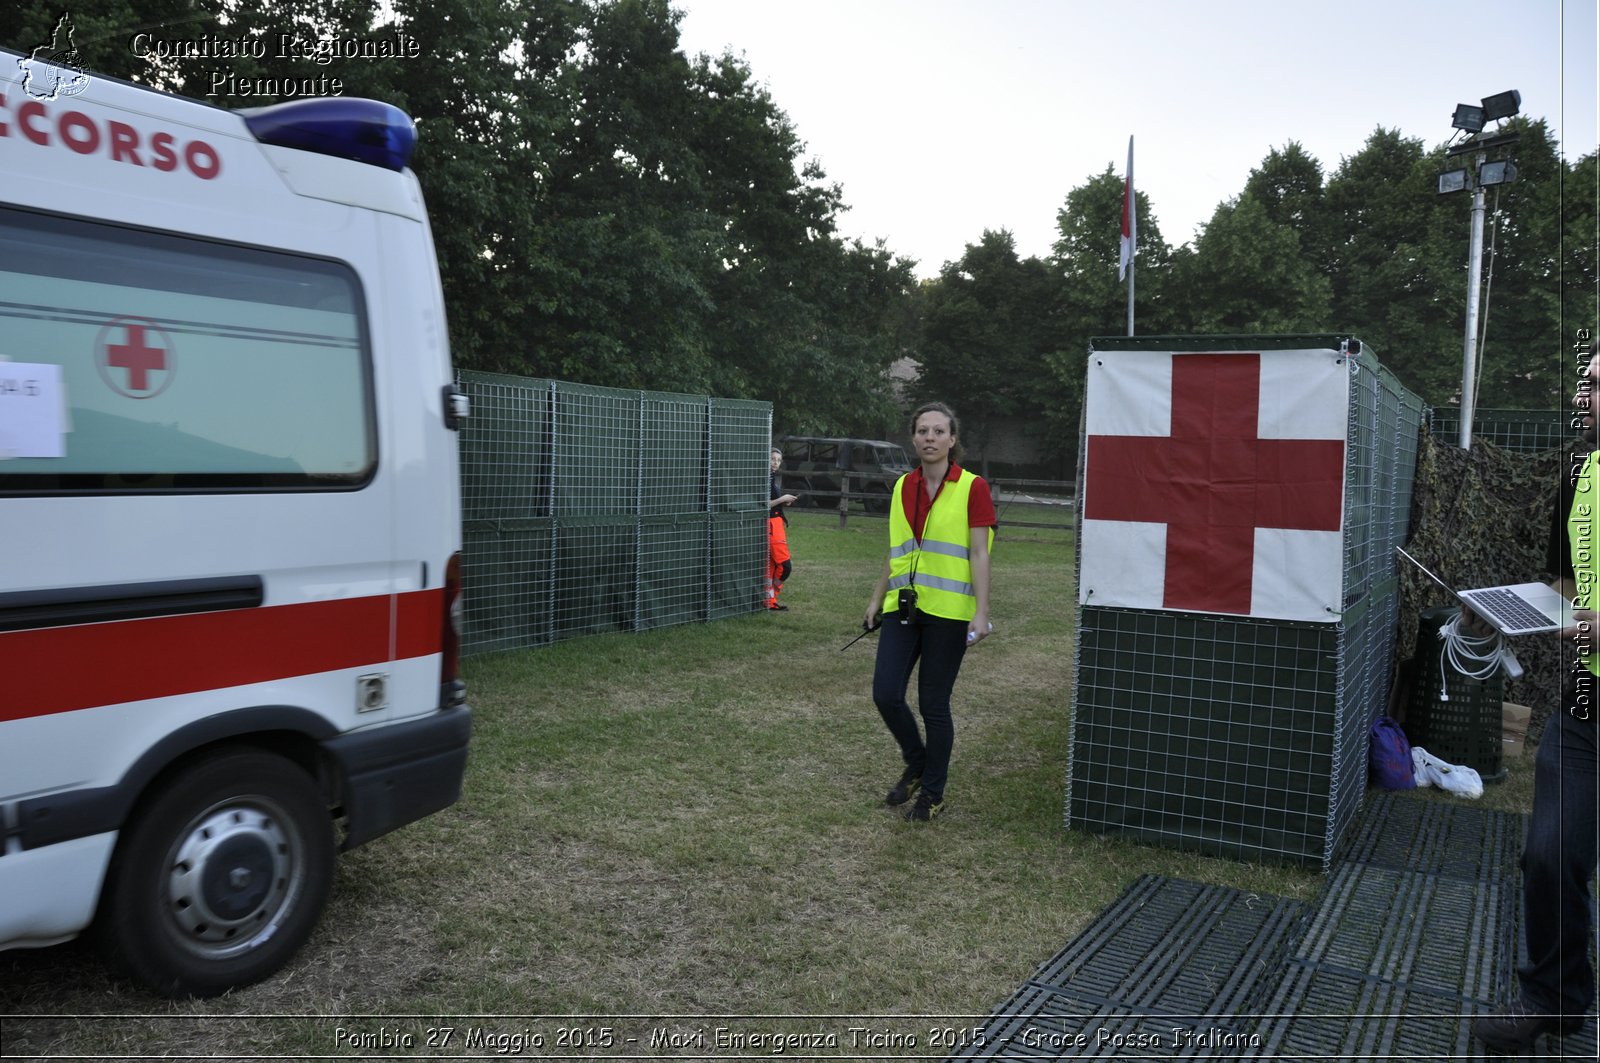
(33, 411)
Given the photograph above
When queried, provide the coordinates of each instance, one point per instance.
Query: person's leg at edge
(1557, 983)
(899, 646)
(944, 644)
(778, 566)
(1557, 862)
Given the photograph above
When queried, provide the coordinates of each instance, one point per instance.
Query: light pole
(1471, 120)
(1469, 353)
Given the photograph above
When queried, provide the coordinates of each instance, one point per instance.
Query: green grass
(690, 822)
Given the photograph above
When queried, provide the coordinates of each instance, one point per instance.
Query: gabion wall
(1524, 431)
(1245, 737)
(591, 509)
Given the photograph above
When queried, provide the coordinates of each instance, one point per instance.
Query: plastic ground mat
(1436, 838)
(1159, 973)
(1416, 932)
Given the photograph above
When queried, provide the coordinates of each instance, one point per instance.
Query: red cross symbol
(1213, 482)
(140, 356)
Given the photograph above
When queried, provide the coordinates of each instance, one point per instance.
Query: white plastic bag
(1457, 778)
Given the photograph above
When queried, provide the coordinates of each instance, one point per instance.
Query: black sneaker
(1515, 1028)
(910, 782)
(925, 808)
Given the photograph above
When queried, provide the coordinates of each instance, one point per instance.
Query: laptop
(1514, 609)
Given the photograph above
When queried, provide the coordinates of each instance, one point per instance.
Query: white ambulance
(229, 518)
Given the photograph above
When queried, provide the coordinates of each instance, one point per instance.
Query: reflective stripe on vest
(1581, 539)
(941, 568)
(938, 582)
(930, 546)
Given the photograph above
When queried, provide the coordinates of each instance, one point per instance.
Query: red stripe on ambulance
(119, 141)
(80, 667)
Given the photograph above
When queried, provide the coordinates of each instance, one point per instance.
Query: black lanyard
(923, 519)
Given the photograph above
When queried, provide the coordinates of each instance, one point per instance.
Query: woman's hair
(776, 450)
(955, 426)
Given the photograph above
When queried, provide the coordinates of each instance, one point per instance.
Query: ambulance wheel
(221, 875)
(877, 499)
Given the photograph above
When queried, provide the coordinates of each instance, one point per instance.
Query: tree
(1250, 274)
(681, 244)
(1520, 315)
(102, 31)
(1399, 269)
(985, 332)
(1288, 185)
(1092, 301)
(1086, 252)
(486, 124)
(613, 292)
(1392, 260)
(1579, 264)
(605, 209)
(863, 320)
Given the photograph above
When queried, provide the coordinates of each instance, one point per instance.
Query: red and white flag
(1214, 482)
(1130, 223)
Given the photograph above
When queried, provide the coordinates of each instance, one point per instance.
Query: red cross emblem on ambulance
(135, 357)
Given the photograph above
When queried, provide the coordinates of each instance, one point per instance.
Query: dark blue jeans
(939, 644)
(1559, 859)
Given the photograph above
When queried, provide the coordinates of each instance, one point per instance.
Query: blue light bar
(378, 134)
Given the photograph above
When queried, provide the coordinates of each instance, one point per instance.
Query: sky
(943, 118)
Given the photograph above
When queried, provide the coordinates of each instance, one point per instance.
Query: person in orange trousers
(778, 563)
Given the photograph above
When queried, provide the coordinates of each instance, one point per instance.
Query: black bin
(1464, 726)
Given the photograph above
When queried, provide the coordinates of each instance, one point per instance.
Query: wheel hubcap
(233, 873)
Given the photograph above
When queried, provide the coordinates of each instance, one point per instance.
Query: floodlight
(1497, 173)
(1501, 105)
(1467, 117)
(1453, 181)
(1479, 144)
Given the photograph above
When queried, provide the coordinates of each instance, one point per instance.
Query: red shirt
(914, 499)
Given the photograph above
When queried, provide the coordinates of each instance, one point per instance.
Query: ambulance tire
(221, 875)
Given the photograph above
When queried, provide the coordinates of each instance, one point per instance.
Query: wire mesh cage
(1527, 431)
(1243, 732)
(591, 509)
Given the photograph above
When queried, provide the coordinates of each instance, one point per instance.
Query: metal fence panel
(1207, 733)
(674, 558)
(1520, 430)
(505, 448)
(675, 456)
(741, 441)
(506, 565)
(594, 509)
(597, 461)
(738, 566)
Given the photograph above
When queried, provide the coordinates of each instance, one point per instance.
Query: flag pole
(1130, 231)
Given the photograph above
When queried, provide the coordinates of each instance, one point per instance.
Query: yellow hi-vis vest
(1581, 527)
(941, 569)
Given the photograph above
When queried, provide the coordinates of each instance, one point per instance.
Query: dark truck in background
(815, 470)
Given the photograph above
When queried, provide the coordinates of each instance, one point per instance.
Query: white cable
(1472, 656)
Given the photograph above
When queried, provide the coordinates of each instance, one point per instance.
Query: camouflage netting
(1480, 518)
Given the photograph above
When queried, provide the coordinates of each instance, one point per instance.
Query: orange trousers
(777, 558)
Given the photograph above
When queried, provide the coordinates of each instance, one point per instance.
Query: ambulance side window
(184, 364)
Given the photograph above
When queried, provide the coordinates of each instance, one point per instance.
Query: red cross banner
(1214, 482)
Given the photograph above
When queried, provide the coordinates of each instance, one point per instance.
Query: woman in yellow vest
(933, 601)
